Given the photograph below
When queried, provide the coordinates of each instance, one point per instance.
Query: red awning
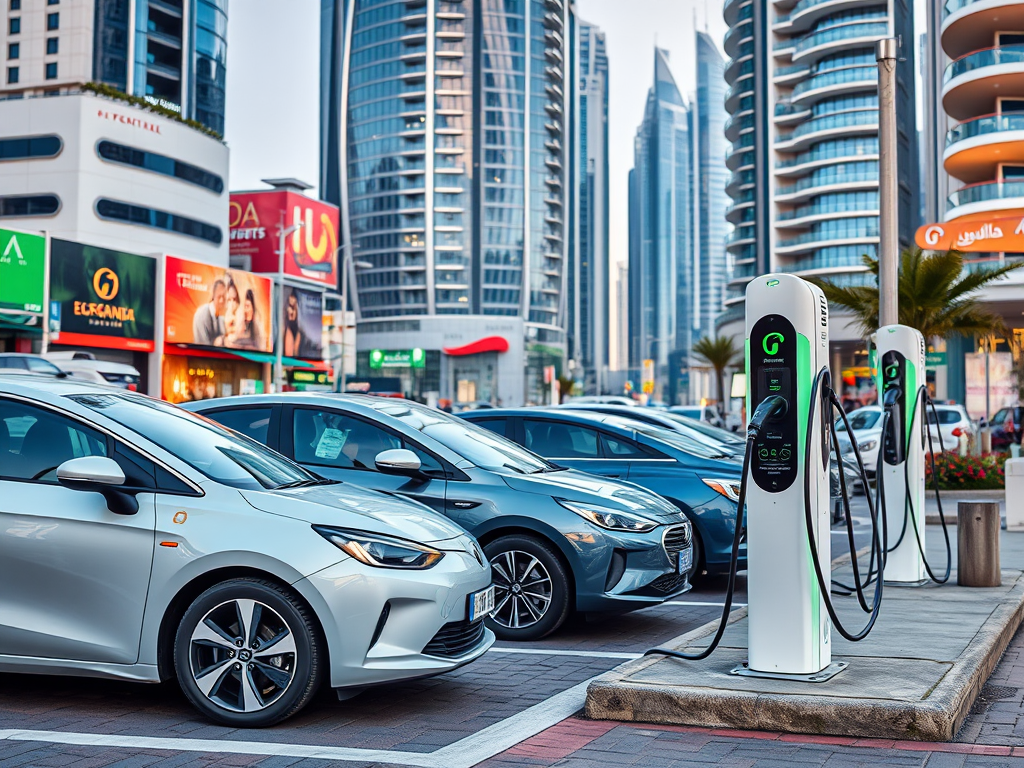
(486, 344)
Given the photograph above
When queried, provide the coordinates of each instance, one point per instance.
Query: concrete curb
(613, 696)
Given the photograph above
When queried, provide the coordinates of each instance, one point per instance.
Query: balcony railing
(981, 126)
(872, 29)
(986, 191)
(830, 177)
(989, 57)
(839, 77)
(831, 208)
(845, 148)
(841, 120)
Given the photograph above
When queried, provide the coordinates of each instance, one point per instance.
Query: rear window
(946, 416)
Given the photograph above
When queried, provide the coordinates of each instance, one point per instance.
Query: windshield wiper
(545, 470)
(306, 483)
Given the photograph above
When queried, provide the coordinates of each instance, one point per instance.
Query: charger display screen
(773, 373)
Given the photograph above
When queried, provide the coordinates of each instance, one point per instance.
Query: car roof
(28, 382)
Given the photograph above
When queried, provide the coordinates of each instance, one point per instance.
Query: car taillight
(133, 388)
(958, 431)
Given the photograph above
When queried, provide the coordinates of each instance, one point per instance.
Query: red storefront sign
(311, 253)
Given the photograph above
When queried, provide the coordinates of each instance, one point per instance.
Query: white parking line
(699, 603)
(464, 753)
(551, 652)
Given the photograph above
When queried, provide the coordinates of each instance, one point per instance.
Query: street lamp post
(887, 54)
(282, 234)
(340, 374)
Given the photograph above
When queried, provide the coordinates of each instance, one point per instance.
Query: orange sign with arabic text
(994, 235)
(311, 252)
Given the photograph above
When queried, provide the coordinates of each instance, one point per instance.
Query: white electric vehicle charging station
(900, 475)
(784, 492)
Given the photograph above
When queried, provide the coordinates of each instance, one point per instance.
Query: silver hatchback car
(143, 542)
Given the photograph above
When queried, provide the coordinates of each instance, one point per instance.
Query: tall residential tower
(804, 130)
(447, 138)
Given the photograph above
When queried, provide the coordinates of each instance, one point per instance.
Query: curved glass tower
(446, 141)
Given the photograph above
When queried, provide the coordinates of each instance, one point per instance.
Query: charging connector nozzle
(891, 397)
(769, 409)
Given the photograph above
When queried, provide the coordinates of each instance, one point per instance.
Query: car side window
(620, 448)
(560, 440)
(34, 442)
(251, 422)
(41, 366)
(12, 362)
(498, 426)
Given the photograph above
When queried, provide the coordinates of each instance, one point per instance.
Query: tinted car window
(204, 445)
(34, 442)
(12, 362)
(946, 416)
(560, 440)
(335, 439)
(41, 366)
(619, 448)
(498, 426)
(863, 419)
(251, 422)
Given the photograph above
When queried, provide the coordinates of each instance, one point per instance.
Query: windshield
(717, 434)
(674, 439)
(859, 420)
(483, 448)
(948, 416)
(221, 455)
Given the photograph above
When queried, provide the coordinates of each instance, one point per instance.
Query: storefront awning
(486, 344)
(986, 235)
(264, 357)
(21, 323)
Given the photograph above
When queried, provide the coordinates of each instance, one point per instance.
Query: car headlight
(612, 519)
(728, 488)
(381, 551)
(868, 445)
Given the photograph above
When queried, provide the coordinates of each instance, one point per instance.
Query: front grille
(677, 539)
(668, 583)
(456, 639)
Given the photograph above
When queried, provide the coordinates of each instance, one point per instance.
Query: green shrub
(967, 473)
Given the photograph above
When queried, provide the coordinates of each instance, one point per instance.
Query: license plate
(481, 603)
(685, 562)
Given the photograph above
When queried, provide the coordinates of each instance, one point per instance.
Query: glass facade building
(589, 277)
(803, 100)
(447, 140)
(170, 52)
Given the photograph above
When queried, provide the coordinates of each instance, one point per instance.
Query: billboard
(311, 253)
(209, 306)
(103, 298)
(22, 271)
(989, 235)
(303, 324)
(397, 358)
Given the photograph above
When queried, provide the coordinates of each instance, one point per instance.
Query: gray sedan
(142, 542)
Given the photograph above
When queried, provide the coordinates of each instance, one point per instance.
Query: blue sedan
(700, 479)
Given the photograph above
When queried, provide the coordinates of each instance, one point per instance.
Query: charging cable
(769, 409)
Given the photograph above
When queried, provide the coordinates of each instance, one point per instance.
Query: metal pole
(886, 53)
(339, 376)
(282, 234)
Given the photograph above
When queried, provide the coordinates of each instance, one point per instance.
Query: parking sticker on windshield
(330, 444)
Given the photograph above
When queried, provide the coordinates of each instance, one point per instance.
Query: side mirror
(398, 461)
(101, 475)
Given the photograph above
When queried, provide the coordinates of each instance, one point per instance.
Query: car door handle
(612, 474)
(465, 504)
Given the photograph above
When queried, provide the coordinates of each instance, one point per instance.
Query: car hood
(572, 485)
(348, 506)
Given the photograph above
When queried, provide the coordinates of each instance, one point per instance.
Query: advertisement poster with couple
(214, 307)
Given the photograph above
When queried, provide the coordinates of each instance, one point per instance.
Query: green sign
(935, 359)
(299, 377)
(22, 268)
(397, 358)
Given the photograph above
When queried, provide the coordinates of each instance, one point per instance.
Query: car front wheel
(531, 588)
(247, 653)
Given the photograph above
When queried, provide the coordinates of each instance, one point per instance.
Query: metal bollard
(977, 543)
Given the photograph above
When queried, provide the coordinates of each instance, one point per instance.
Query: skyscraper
(589, 279)
(710, 179)
(447, 138)
(804, 133)
(171, 52)
(660, 227)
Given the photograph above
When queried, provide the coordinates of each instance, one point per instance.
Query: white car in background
(85, 366)
(953, 422)
(866, 427)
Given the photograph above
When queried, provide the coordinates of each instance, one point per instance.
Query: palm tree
(720, 353)
(936, 295)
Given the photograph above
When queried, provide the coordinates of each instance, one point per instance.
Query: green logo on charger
(771, 342)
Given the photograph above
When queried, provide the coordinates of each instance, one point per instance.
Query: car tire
(232, 676)
(543, 585)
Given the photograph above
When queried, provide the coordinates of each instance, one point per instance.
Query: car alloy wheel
(248, 653)
(242, 655)
(522, 589)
